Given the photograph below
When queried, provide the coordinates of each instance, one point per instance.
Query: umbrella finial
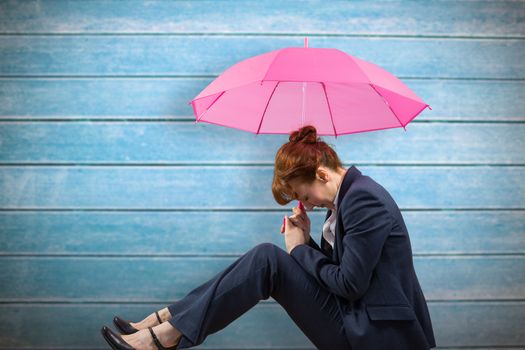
(305, 41)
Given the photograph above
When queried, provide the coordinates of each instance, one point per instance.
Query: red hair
(299, 159)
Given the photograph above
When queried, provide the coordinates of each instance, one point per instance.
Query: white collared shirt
(329, 225)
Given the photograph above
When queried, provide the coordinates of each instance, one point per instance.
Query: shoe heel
(124, 326)
(159, 345)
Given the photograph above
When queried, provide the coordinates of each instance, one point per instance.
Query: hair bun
(306, 134)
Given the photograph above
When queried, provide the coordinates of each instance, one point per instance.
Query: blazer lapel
(324, 243)
(351, 174)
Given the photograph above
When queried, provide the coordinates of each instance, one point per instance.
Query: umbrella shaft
(302, 109)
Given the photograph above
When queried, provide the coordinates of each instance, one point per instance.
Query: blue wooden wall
(112, 201)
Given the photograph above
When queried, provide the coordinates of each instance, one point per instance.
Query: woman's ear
(322, 174)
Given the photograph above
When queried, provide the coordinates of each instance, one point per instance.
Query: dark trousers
(265, 270)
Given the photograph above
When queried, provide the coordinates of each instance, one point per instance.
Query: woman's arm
(314, 245)
(367, 224)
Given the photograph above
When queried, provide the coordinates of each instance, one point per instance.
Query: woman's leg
(152, 320)
(265, 270)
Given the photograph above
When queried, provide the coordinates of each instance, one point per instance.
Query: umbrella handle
(305, 42)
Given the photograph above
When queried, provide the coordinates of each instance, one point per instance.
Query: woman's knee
(266, 247)
(267, 250)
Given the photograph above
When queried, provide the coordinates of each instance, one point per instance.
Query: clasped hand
(296, 229)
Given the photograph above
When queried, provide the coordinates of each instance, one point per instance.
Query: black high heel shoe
(117, 343)
(125, 328)
(115, 340)
(159, 345)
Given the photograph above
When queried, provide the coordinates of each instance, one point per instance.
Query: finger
(299, 212)
(299, 224)
(300, 217)
(289, 224)
(295, 223)
(294, 217)
(305, 217)
(298, 220)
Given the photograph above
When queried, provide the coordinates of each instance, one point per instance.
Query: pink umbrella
(283, 90)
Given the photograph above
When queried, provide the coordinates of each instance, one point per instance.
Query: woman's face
(319, 193)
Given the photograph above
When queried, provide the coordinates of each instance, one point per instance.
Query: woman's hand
(300, 219)
(293, 235)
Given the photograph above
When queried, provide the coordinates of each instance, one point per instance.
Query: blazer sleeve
(366, 224)
(314, 245)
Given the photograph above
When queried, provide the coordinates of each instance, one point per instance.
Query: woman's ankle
(165, 314)
(167, 334)
(152, 320)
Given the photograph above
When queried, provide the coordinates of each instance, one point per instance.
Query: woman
(359, 290)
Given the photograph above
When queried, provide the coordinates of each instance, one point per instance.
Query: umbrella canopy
(283, 90)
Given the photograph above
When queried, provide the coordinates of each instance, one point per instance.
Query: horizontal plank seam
(211, 76)
(267, 35)
(233, 164)
(25, 255)
(206, 347)
(490, 347)
(241, 164)
(265, 303)
(197, 348)
(235, 210)
(188, 120)
(497, 347)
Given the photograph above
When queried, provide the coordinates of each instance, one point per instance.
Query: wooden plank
(161, 142)
(264, 325)
(472, 277)
(152, 233)
(466, 232)
(470, 18)
(211, 55)
(492, 325)
(153, 279)
(478, 324)
(168, 97)
(396, 35)
(246, 187)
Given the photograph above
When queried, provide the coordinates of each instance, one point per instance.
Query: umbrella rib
(329, 108)
(265, 108)
(207, 109)
(388, 105)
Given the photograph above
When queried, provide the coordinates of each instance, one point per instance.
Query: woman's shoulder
(365, 193)
(364, 187)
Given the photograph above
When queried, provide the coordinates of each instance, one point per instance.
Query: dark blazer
(371, 270)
